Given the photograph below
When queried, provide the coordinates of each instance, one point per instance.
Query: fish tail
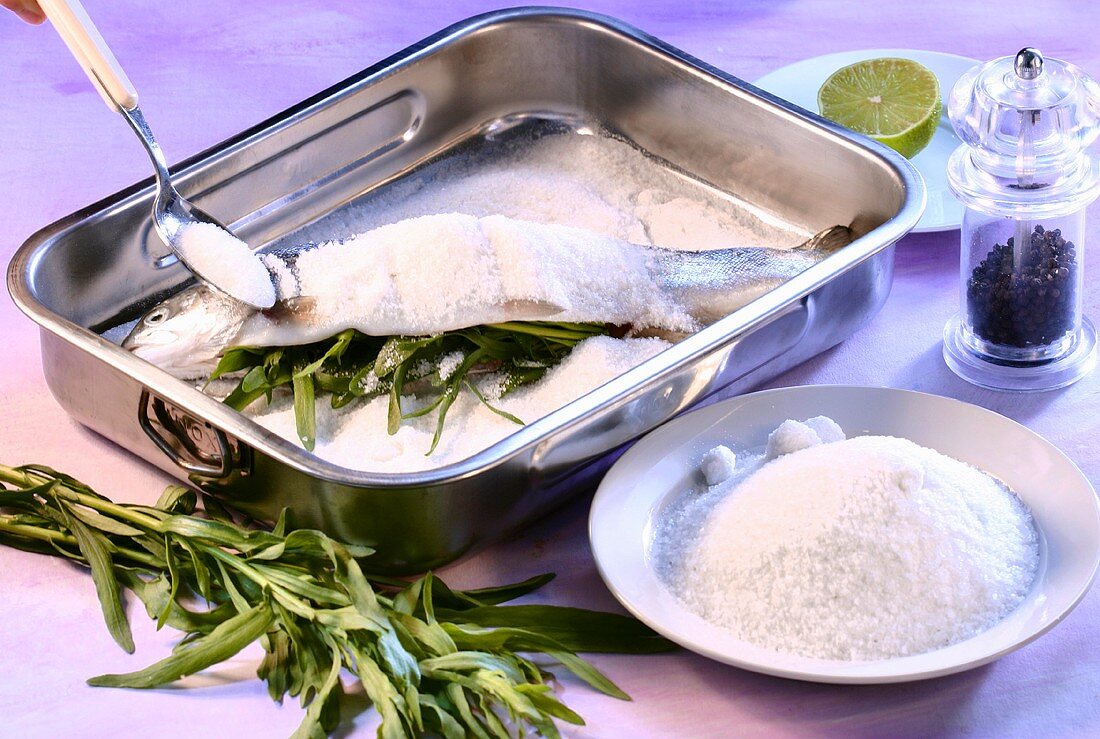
(829, 240)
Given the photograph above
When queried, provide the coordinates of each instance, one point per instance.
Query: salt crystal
(790, 436)
(718, 464)
(492, 386)
(826, 429)
(369, 382)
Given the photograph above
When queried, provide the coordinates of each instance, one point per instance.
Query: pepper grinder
(1025, 177)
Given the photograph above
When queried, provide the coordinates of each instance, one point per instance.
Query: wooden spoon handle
(87, 45)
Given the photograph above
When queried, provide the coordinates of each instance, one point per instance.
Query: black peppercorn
(1025, 307)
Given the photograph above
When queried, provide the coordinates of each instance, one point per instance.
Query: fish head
(186, 334)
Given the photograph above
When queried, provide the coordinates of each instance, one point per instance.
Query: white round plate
(799, 83)
(665, 463)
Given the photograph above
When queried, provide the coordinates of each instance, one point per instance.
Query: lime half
(895, 101)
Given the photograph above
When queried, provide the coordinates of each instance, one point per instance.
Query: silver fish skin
(712, 284)
(187, 333)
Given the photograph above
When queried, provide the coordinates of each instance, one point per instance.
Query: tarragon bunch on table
(431, 659)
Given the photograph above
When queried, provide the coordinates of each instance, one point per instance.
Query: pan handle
(195, 446)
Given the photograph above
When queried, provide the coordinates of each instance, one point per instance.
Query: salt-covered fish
(444, 272)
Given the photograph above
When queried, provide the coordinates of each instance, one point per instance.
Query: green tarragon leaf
(305, 410)
(228, 638)
(95, 551)
(237, 359)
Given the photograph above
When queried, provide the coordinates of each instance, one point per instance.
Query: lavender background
(208, 69)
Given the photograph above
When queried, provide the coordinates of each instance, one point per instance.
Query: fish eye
(156, 316)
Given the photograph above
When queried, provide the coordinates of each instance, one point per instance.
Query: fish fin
(293, 309)
(656, 333)
(829, 240)
(532, 310)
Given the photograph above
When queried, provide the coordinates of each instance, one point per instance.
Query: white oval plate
(665, 463)
(799, 83)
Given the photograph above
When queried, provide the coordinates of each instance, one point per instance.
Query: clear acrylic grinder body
(1025, 177)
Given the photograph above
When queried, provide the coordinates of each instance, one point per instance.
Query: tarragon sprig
(351, 367)
(432, 660)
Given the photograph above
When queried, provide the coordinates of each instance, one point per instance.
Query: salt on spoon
(215, 255)
(221, 259)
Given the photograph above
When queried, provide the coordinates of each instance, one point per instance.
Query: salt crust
(792, 436)
(868, 548)
(355, 436)
(448, 271)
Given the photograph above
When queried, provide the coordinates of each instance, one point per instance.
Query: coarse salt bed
(862, 549)
(388, 281)
(356, 437)
(718, 464)
(596, 183)
(226, 262)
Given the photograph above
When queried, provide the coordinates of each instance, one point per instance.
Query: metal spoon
(171, 211)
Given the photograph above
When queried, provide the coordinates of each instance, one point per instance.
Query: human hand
(28, 10)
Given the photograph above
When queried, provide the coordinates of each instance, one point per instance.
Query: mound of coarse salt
(868, 548)
(226, 262)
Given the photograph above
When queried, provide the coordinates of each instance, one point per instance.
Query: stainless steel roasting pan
(92, 270)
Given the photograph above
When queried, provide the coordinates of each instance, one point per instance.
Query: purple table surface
(209, 69)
